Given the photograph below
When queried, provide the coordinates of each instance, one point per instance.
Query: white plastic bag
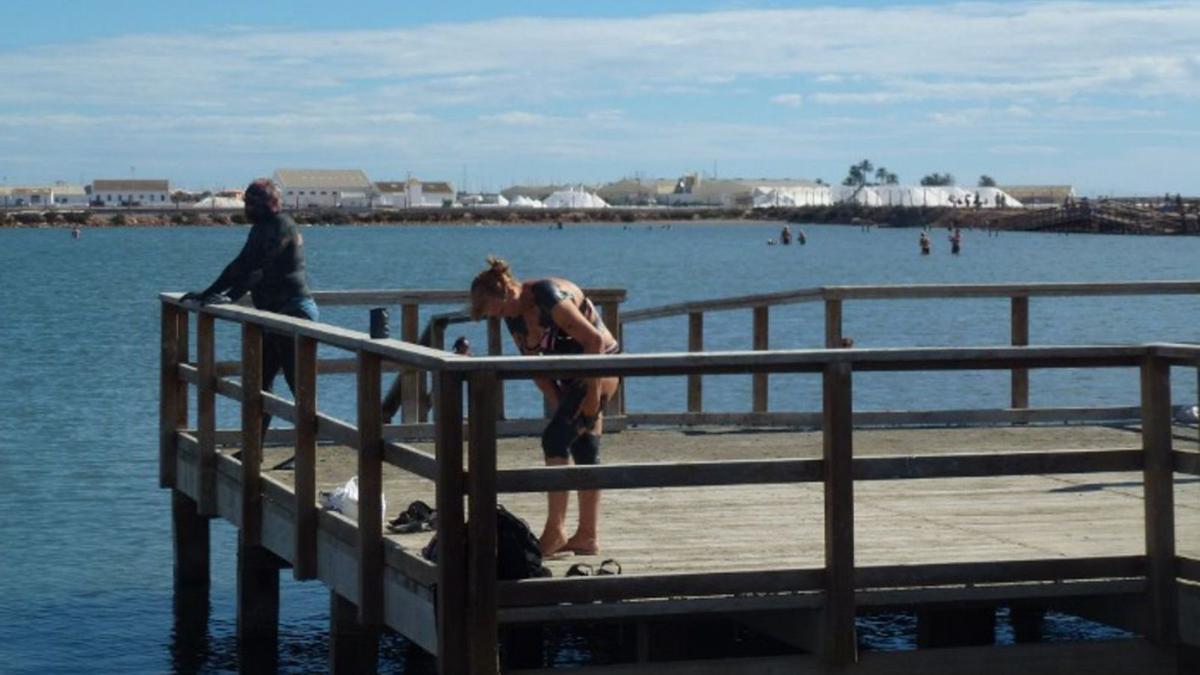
(1187, 414)
(344, 500)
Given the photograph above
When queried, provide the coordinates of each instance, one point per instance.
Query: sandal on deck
(418, 517)
(609, 567)
(580, 570)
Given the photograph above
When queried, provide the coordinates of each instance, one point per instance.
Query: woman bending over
(552, 316)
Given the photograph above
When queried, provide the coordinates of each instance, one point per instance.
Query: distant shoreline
(837, 214)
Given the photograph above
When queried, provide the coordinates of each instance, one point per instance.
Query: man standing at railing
(271, 267)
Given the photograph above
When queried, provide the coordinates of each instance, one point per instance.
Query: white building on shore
(324, 188)
(131, 192)
(413, 193)
(696, 190)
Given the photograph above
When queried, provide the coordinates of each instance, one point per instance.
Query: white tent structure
(862, 195)
(214, 202)
(921, 195)
(767, 197)
(523, 202)
(572, 198)
(990, 198)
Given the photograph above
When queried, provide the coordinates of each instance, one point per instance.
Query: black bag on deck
(517, 552)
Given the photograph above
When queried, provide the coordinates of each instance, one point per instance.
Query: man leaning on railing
(271, 267)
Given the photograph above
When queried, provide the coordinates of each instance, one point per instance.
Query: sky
(1099, 95)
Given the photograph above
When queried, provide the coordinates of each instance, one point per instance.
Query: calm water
(85, 550)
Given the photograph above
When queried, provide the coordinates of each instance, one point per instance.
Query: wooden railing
(470, 603)
(412, 382)
(834, 297)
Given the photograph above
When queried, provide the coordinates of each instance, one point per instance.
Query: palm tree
(865, 168)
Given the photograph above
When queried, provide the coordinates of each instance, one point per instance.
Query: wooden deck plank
(655, 531)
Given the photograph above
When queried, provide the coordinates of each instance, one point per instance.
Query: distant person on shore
(553, 316)
(271, 267)
(924, 243)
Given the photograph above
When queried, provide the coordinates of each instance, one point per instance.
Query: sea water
(85, 546)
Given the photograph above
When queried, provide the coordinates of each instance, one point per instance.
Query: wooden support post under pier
(957, 627)
(190, 536)
(257, 608)
(353, 647)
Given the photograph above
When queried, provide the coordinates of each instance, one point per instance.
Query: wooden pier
(789, 524)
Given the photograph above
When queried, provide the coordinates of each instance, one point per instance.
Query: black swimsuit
(567, 431)
(554, 340)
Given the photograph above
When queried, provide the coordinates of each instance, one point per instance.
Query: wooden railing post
(172, 402)
(370, 492)
(839, 610)
(414, 390)
(451, 529)
(761, 340)
(695, 383)
(304, 556)
(1020, 338)
(206, 413)
(252, 436)
(610, 312)
(496, 349)
(257, 568)
(481, 544)
(437, 335)
(1158, 474)
(833, 323)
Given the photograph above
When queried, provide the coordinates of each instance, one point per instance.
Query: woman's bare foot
(582, 545)
(552, 542)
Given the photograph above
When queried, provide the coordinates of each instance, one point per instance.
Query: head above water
(462, 346)
(262, 198)
(491, 285)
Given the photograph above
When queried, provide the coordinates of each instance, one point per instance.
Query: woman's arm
(544, 384)
(574, 323)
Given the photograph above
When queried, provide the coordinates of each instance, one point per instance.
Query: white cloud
(516, 118)
(462, 85)
(1020, 150)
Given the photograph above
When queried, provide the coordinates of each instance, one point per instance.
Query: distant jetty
(1098, 217)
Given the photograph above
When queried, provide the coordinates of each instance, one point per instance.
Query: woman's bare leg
(554, 534)
(586, 540)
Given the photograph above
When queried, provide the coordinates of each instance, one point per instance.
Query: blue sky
(1101, 95)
